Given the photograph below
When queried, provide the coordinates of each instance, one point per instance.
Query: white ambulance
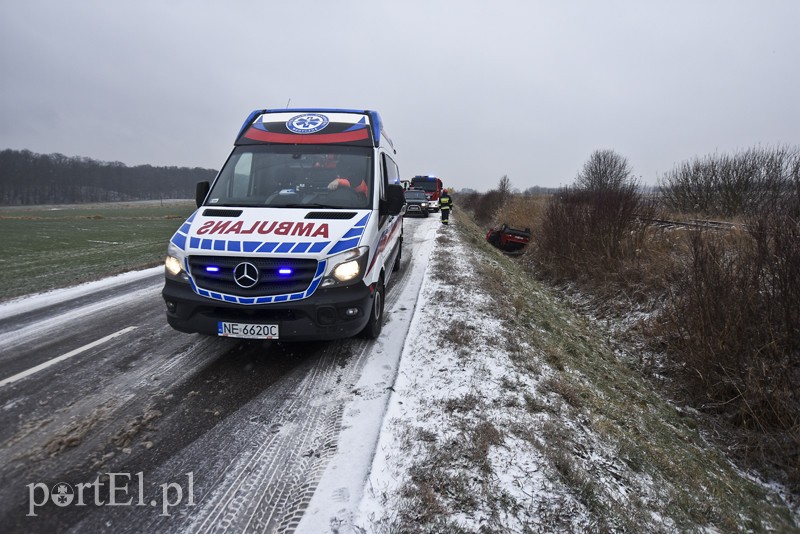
(297, 236)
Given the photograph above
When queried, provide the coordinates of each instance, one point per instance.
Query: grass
(46, 248)
(656, 439)
(622, 454)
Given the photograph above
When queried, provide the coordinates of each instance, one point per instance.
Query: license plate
(248, 331)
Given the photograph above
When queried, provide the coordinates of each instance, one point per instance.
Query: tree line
(27, 178)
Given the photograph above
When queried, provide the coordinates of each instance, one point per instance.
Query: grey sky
(468, 90)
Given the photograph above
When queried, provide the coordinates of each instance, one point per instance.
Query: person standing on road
(445, 205)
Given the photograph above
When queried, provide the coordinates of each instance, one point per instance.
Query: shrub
(587, 231)
(732, 324)
(746, 183)
(604, 170)
(485, 206)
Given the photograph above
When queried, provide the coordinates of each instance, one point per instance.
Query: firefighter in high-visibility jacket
(445, 205)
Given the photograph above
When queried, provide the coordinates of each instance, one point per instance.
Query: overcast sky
(469, 91)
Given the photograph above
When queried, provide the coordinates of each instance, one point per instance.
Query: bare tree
(604, 170)
(504, 186)
(504, 189)
(754, 181)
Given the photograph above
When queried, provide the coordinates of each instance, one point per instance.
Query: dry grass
(616, 456)
(720, 308)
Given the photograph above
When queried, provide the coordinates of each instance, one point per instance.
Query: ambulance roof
(312, 126)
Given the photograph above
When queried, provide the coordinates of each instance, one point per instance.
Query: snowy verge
(35, 301)
(510, 413)
(335, 500)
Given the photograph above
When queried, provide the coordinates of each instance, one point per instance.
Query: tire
(427, 213)
(396, 266)
(375, 323)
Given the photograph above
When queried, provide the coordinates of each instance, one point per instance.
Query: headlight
(344, 272)
(346, 268)
(173, 264)
(424, 204)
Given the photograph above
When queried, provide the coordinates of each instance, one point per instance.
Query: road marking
(63, 357)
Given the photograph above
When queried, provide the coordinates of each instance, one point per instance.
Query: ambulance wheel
(396, 266)
(375, 323)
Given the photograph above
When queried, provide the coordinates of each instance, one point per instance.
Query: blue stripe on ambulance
(359, 125)
(179, 239)
(352, 237)
(349, 240)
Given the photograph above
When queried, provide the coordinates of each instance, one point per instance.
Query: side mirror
(201, 192)
(395, 202)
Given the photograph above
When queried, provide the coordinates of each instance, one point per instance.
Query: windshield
(415, 195)
(326, 176)
(427, 185)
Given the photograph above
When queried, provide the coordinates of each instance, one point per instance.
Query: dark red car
(509, 240)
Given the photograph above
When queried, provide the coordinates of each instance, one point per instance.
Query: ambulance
(297, 236)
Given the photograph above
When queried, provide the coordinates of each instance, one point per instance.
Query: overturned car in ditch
(509, 240)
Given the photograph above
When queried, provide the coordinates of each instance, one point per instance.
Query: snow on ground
(452, 361)
(39, 300)
(466, 423)
(340, 490)
(486, 431)
(439, 376)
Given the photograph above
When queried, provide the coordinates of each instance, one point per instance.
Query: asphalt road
(111, 420)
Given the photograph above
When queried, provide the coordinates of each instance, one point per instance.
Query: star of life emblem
(307, 123)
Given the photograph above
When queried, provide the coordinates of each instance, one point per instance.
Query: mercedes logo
(245, 275)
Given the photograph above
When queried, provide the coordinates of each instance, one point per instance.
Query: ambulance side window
(240, 185)
(391, 174)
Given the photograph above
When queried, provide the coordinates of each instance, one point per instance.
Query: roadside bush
(746, 183)
(722, 306)
(485, 206)
(521, 211)
(585, 232)
(732, 326)
(590, 231)
(604, 170)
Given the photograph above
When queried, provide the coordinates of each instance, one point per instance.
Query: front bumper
(415, 209)
(319, 317)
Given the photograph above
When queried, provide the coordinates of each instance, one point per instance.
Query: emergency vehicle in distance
(297, 236)
(432, 187)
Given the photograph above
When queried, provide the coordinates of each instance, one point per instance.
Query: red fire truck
(432, 187)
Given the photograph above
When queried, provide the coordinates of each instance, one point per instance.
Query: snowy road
(152, 430)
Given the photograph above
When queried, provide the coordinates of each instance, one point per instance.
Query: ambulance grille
(215, 273)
